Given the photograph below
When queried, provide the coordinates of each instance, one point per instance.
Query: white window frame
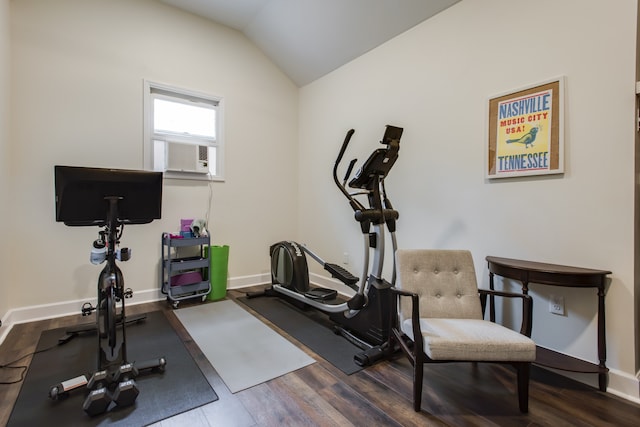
(154, 90)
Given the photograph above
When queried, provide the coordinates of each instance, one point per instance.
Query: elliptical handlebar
(355, 204)
(352, 163)
(345, 143)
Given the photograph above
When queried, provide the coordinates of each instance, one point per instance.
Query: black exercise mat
(179, 388)
(300, 325)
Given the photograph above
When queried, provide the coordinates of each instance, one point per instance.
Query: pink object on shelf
(185, 224)
(188, 278)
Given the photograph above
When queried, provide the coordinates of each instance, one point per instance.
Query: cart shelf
(175, 267)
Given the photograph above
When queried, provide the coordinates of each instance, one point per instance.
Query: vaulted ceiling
(310, 38)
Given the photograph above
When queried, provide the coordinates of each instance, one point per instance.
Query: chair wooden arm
(415, 313)
(527, 306)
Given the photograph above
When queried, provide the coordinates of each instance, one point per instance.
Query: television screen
(81, 192)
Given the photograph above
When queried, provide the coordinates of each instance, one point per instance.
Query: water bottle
(98, 252)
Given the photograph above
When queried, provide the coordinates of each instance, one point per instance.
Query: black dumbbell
(97, 401)
(125, 372)
(125, 393)
(96, 380)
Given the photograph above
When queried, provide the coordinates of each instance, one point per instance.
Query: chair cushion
(472, 340)
(445, 281)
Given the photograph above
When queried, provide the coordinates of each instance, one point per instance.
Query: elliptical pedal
(341, 274)
(321, 294)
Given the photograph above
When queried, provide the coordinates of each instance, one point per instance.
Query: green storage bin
(218, 262)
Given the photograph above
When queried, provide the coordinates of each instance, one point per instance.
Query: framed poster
(526, 131)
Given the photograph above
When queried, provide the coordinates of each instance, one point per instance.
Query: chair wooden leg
(418, 370)
(523, 386)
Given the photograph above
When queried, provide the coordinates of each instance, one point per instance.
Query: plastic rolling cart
(185, 275)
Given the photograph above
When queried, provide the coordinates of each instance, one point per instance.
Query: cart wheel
(175, 304)
(204, 298)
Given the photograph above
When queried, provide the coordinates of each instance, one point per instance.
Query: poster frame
(553, 160)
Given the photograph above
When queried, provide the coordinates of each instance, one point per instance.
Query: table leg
(602, 342)
(525, 291)
(492, 307)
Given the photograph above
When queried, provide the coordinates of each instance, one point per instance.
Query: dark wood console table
(527, 272)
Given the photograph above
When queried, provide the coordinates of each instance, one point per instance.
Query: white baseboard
(624, 385)
(244, 281)
(66, 308)
(621, 384)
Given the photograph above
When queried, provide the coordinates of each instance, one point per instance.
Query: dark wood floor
(321, 395)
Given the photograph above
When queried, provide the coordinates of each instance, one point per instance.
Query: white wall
(76, 72)
(4, 149)
(435, 81)
(78, 68)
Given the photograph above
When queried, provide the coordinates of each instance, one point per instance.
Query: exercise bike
(364, 319)
(131, 197)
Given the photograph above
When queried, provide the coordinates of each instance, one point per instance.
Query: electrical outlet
(556, 304)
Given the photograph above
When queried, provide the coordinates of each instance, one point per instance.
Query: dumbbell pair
(100, 397)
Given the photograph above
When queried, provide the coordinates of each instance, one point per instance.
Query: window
(183, 136)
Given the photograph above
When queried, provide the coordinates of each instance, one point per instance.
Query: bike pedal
(87, 309)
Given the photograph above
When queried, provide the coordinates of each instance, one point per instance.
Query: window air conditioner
(187, 158)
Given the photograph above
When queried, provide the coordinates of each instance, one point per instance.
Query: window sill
(192, 176)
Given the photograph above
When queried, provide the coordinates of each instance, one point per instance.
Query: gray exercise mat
(244, 351)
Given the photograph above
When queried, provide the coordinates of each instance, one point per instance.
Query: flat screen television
(81, 195)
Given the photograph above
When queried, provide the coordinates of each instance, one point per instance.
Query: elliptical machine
(363, 319)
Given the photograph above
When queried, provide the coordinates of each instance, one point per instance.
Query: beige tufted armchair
(442, 318)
